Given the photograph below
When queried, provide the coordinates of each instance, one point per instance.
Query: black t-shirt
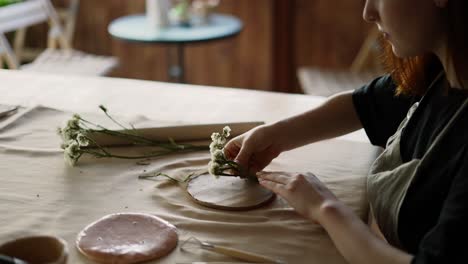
(433, 219)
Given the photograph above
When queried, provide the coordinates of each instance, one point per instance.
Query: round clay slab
(127, 238)
(228, 193)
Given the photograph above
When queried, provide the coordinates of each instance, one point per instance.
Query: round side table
(135, 28)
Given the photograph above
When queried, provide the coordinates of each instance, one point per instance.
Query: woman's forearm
(354, 239)
(333, 118)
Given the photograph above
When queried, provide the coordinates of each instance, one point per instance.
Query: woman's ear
(441, 3)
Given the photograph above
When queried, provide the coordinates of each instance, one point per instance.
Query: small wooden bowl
(37, 249)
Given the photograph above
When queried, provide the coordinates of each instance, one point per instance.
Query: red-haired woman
(418, 187)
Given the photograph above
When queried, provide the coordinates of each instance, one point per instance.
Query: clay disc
(228, 193)
(127, 238)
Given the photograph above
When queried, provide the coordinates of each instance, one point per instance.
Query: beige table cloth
(41, 194)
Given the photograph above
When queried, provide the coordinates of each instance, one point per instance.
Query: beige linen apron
(389, 178)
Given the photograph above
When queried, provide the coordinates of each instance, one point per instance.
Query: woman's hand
(255, 149)
(304, 192)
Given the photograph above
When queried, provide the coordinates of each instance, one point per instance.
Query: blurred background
(284, 45)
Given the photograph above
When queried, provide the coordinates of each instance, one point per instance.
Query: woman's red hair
(413, 75)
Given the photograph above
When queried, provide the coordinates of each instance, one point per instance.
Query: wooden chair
(64, 60)
(67, 16)
(364, 68)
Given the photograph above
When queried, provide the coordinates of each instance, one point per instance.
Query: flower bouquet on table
(78, 139)
(192, 12)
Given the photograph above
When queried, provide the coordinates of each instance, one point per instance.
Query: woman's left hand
(304, 192)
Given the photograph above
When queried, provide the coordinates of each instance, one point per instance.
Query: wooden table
(40, 194)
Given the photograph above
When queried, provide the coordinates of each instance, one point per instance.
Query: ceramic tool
(236, 253)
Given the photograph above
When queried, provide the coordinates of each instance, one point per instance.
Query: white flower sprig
(219, 164)
(77, 141)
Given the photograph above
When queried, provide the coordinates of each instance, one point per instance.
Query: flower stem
(151, 177)
(111, 118)
(147, 142)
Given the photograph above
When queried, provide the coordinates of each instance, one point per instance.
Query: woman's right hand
(255, 149)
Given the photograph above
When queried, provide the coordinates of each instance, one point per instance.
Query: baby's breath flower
(72, 153)
(222, 141)
(214, 168)
(218, 154)
(69, 133)
(82, 140)
(215, 145)
(219, 163)
(73, 149)
(215, 136)
(226, 131)
(74, 122)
